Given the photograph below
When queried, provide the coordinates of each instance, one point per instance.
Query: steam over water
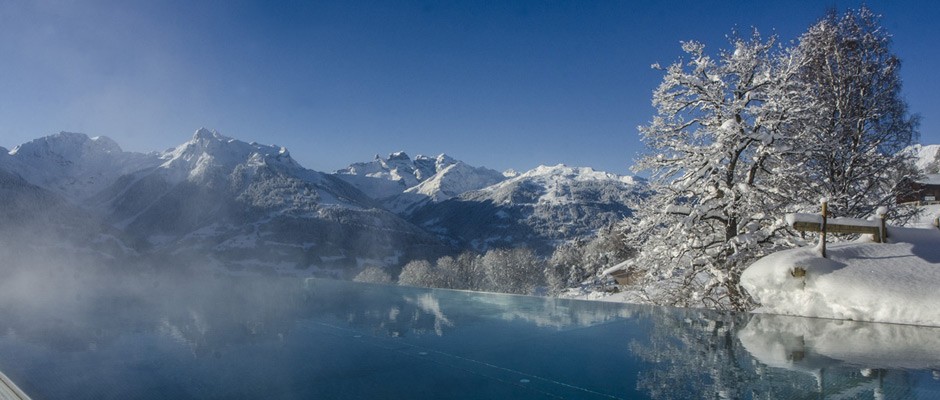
(100, 333)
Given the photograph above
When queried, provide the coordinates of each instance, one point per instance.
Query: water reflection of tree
(694, 354)
(847, 359)
(700, 354)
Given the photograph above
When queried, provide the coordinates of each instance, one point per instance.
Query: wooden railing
(823, 224)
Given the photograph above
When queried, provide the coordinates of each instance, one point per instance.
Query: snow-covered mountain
(73, 164)
(399, 167)
(222, 201)
(403, 185)
(211, 199)
(927, 157)
(537, 208)
(250, 205)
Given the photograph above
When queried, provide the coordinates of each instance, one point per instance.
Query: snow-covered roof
(619, 267)
(931, 179)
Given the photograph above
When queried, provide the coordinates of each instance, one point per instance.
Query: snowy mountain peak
(456, 178)
(562, 171)
(107, 144)
(444, 159)
(398, 167)
(206, 134)
(211, 152)
(403, 183)
(399, 156)
(74, 164)
(67, 146)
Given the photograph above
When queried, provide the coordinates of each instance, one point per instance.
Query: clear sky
(502, 84)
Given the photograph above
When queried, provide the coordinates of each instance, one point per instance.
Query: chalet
(923, 191)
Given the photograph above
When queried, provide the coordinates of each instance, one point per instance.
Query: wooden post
(884, 229)
(822, 236)
(936, 222)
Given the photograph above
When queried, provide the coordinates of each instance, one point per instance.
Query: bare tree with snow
(717, 167)
(857, 123)
(373, 274)
(754, 132)
(517, 270)
(418, 273)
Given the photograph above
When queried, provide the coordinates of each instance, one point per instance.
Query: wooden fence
(823, 224)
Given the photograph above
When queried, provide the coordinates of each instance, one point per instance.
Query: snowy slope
(454, 180)
(402, 184)
(891, 282)
(537, 208)
(73, 164)
(925, 155)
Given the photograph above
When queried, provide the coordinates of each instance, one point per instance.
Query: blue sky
(502, 84)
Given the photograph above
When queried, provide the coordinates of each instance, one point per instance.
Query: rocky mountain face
(218, 201)
(539, 209)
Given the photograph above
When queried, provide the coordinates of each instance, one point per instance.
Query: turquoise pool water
(287, 338)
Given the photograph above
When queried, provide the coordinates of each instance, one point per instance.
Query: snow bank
(893, 282)
(927, 216)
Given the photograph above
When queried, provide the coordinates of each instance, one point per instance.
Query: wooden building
(924, 191)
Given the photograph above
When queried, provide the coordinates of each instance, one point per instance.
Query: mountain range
(240, 206)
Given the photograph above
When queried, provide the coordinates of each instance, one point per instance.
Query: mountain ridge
(539, 208)
(403, 185)
(221, 201)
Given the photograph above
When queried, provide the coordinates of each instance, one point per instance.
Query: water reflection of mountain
(395, 311)
(210, 314)
(551, 312)
(80, 313)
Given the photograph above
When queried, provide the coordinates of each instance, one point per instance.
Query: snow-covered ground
(892, 282)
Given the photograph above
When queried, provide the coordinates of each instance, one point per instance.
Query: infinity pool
(288, 338)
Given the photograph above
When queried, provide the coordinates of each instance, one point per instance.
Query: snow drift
(893, 282)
